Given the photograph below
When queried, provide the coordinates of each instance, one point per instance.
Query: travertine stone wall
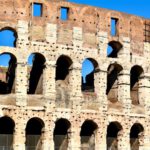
(85, 34)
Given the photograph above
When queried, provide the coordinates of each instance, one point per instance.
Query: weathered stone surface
(86, 34)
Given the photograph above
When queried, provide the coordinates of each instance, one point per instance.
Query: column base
(19, 147)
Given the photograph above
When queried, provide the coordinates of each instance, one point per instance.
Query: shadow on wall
(36, 65)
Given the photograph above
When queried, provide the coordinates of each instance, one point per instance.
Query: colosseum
(48, 104)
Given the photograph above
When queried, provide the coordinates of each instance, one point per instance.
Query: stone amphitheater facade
(48, 106)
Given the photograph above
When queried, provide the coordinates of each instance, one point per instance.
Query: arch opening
(87, 134)
(36, 65)
(135, 135)
(7, 126)
(8, 64)
(113, 72)
(34, 131)
(135, 79)
(89, 68)
(63, 66)
(8, 37)
(61, 134)
(112, 135)
(113, 49)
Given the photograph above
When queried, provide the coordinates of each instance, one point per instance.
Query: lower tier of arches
(61, 129)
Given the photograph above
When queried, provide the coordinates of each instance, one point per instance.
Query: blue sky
(136, 7)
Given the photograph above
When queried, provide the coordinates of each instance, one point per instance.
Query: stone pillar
(123, 140)
(47, 140)
(101, 135)
(47, 136)
(74, 142)
(124, 53)
(21, 84)
(100, 81)
(100, 89)
(23, 35)
(102, 43)
(144, 137)
(49, 90)
(144, 92)
(124, 90)
(19, 137)
(75, 85)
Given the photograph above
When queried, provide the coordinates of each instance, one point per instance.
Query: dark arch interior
(6, 125)
(135, 73)
(61, 134)
(8, 37)
(87, 134)
(116, 47)
(38, 65)
(113, 129)
(88, 84)
(135, 130)
(112, 76)
(88, 128)
(8, 74)
(62, 69)
(34, 127)
(61, 127)
(112, 133)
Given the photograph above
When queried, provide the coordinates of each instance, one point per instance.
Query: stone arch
(136, 74)
(136, 134)
(8, 63)
(88, 75)
(11, 35)
(36, 66)
(88, 134)
(63, 65)
(61, 133)
(112, 134)
(113, 72)
(7, 126)
(113, 49)
(34, 130)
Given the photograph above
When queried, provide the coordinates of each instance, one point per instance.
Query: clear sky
(136, 7)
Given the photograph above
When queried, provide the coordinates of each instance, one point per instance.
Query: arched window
(63, 65)
(135, 78)
(135, 134)
(6, 132)
(8, 64)
(89, 68)
(61, 134)
(112, 134)
(87, 134)
(36, 65)
(8, 37)
(34, 129)
(112, 82)
(113, 49)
